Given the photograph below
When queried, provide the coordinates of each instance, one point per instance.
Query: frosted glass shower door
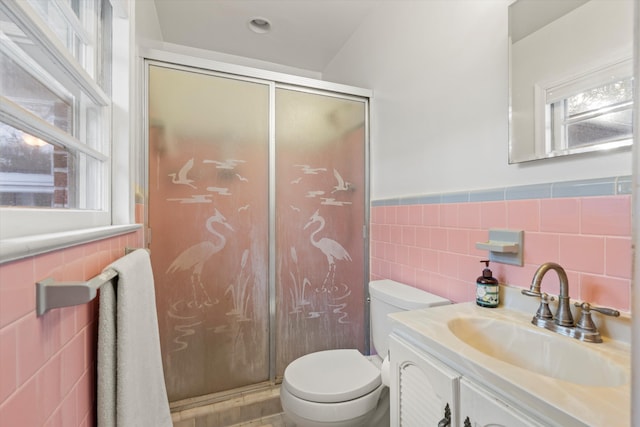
(320, 218)
(208, 214)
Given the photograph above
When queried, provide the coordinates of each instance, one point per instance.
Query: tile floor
(276, 420)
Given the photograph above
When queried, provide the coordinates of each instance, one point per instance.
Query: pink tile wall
(47, 363)
(432, 246)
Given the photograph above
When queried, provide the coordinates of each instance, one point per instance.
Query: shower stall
(256, 212)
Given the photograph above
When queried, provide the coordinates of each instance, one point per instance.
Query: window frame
(549, 127)
(26, 231)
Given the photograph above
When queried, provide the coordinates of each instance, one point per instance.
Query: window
(55, 115)
(589, 112)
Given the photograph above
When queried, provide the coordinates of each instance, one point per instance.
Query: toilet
(343, 388)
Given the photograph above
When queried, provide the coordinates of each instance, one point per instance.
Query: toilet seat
(331, 376)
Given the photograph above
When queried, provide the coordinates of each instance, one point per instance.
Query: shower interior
(256, 212)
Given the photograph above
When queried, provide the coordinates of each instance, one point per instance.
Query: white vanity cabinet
(479, 408)
(422, 389)
(426, 392)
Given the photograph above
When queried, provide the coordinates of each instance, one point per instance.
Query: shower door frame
(275, 80)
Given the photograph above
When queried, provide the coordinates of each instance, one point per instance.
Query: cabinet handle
(446, 421)
(467, 422)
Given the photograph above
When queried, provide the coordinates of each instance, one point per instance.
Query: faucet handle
(543, 313)
(543, 310)
(585, 321)
(530, 293)
(603, 310)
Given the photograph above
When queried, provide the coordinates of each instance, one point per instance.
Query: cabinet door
(422, 388)
(480, 408)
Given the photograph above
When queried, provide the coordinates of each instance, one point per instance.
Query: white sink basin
(540, 351)
(568, 382)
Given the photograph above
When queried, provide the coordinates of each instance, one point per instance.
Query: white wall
(147, 25)
(149, 36)
(439, 72)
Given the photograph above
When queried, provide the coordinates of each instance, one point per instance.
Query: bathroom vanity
(463, 365)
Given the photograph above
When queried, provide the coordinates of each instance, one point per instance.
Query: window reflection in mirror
(570, 77)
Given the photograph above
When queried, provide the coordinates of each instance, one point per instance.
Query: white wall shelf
(504, 246)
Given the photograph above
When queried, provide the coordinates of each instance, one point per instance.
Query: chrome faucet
(562, 322)
(563, 316)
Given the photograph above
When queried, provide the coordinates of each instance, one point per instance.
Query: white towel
(131, 388)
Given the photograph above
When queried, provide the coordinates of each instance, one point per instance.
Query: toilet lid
(331, 376)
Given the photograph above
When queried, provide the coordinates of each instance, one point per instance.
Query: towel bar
(51, 294)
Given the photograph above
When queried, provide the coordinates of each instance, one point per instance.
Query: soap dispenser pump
(487, 288)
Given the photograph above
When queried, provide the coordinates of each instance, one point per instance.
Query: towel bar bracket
(51, 294)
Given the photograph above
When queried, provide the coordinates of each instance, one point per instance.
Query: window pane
(88, 171)
(55, 134)
(35, 173)
(40, 86)
(26, 198)
(23, 89)
(583, 118)
(105, 46)
(75, 26)
(600, 115)
(26, 170)
(604, 128)
(600, 97)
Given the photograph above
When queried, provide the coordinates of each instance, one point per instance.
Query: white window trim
(27, 232)
(73, 22)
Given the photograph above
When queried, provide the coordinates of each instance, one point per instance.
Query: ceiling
(304, 34)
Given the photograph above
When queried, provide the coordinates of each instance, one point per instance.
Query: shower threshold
(224, 409)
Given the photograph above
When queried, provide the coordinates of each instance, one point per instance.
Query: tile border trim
(613, 186)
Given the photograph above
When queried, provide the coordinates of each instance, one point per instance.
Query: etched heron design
(329, 247)
(195, 257)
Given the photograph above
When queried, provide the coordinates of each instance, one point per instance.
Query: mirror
(570, 77)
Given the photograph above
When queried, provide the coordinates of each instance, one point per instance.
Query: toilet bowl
(343, 388)
(338, 388)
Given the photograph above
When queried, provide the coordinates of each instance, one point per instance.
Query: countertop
(562, 402)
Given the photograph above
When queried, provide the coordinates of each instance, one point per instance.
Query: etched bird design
(329, 247)
(342, 185)
(195, 257)
(181, 176)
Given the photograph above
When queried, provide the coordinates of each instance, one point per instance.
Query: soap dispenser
(487, 288)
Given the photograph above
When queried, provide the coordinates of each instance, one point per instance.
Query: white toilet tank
(388, 296)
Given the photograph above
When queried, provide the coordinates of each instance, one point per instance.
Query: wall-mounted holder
(505, 246)
(51, 294)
